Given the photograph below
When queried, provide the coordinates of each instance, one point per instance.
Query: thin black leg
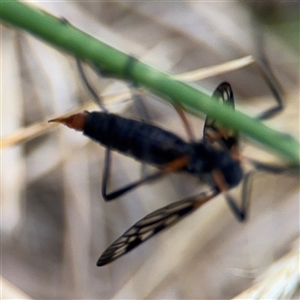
(144, 116)
(107, 159)
(91, 90)
(138, 103)
(241, 212)
(275, 90)
(272, 168)
(264, 65)
(173, 166)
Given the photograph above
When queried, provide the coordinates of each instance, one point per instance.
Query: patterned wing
(153, 224)
(213, 131)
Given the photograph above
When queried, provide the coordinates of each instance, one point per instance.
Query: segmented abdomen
(145, 142)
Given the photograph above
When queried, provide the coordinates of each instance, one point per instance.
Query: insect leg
(138, 102)
(274, 86)
(98, 100)
(88, 86)
(241, 212)
(173, 166)
(107, 157)
(143, 112)
(152, 224)
(272, 168)
(141, 107)
(137, 99)
(266, 70)
(185, 122)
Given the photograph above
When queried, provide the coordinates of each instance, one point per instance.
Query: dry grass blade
(279, 281)
(25, 134)
(216, 70)
(10, 291)
(32, 131)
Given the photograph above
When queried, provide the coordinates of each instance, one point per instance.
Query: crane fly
(214, 160)
(213, 164)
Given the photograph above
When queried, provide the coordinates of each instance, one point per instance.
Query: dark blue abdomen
(142, 141)
(151, 144)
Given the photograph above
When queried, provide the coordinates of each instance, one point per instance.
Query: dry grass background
(54, 221)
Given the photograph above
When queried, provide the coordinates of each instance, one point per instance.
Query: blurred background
(54, 222)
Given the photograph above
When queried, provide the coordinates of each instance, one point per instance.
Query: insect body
(156, 146)
(212, 159)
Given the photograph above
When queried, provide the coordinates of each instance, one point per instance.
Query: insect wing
(223, 93)
(151, 225)
(214, 131)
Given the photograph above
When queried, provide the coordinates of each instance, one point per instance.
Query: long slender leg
(98, 100)
(272, 168)
(91, 90)
(273, 85)
(185, 122)
(241, 212)
(144, 113)
(138, 103)
(133, 86)
(173, 166)
(152, 224)
(127, 71)
(145, 117)
(107, 158)
(265, 68)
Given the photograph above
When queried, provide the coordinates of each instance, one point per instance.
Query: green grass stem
(77, 43)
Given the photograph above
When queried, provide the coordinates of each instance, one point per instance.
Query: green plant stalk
(112, 61)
